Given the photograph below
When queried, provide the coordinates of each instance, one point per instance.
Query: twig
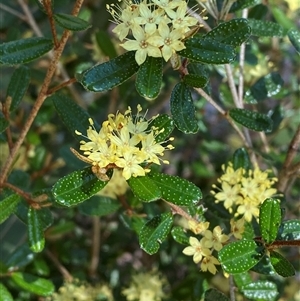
(48, 7)
(62, 85)
(177, 210)
(19, 191)
(232, 85)
(12, 11)
(231, 288)
(95, 247)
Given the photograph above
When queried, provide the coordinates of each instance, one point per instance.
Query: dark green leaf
(163, 121)
(194, 80)
(176, 190)
(242, 279)
(99, 206)
(277, 116)
(252, 120)
(24, 51)
(183, 109)
(21, 257)
(8, 206)
(209, 51)
(61, 229)
(33, 284)
(289, 230)
(233, 32)
(266, 86)
(269, 219)
(71, 22)
(294, 36)
(110, 74)
(264, 266)
(77, 187)
(105, 44)
(18, 85)
(5, 294)
(144, 189)
(241, 159)
(41, 267)
(149, 78)
(154, 232)
(265, 28)
(3, 269)
(258, 12)
(241, 4)
(281, 265)
(179, 235)
(35, 231)
(239, 256)
(214, 295)
(3, 123)
(72, 115)
(260, 290)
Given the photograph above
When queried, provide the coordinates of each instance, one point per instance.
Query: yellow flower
(196, 249)
(230, 175)
(198, 228)
(209, 263)
(237, 227)
(249, 209)
(214, 239)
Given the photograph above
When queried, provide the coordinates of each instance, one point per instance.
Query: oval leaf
(252, 120)
(183, 109)
(282, 266)
(35, 231)
(241, 159)
(5, 294)
(33, 284)
(179, 235)
(294, 37)
(8, 206)
(239, 256)
(289, 230)
(241, 4)
(194, 80)
(110, 74)
(77, 187)
(242, 279)
(21, 257)
(154, 232)
(149, 78)
(176, 190)
(24, 51)
(269, 219)
(265, 28)
(214, 295)
(144, 189)
(165, 122)
(260, 290)
(71, 22)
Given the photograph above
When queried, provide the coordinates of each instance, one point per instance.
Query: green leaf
(110, 74)
(21, 257)
(233, 32)
(197, 76)
(163, 121)
(269, 219)
(260, 290)
(5, 294)
(105, 43)
(264, 266)
(294, 36)
(144, 189)
(239, 256)
(176, 190)
(72, 115)
(265, 28)
(281, 17)
(209, 51)
(77, 187)
(35, 231)
(149, 78)
(99, 206)
(71, 22)
(33, 284)
(289, 230)
(3, 123)
(41, 267)
(24, 51)
(266, 86)
(183, 109)
(241, 159)
(179, 235)
(242, 279)
(8, 206)
(241, 4)
(154, 232)
(281, 265)
(214, 295)
(253, 120)
(18, 85)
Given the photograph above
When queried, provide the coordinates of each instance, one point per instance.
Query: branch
(95, 247)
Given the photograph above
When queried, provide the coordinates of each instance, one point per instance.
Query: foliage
(128, 146)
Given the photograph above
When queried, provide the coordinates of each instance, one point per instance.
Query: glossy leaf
(71, 22)
(3, 123)
(144, 188)
(33, 284)
(239, 256)
(281, 265)
(105, 43)
(71, 114)
(209, 51)
(99, 206)
(176, 190)
(242, 279)
(241, 4)
(264, 266)
(233, 32)
(18, 85)
(260, 290)
(265, 28)
(289, 230)
(8, 206)
(5, 294)
(241, 159)
(24, 51)
(179, 235)
(198, 75)
(266, 86)
(109, 74)
(154, 232)
(21, 257)
(269, 219)
(253, 120)
(294, 36)
(183, 109)
(149, 78)
(163, 121)
(214, 295)
(35, 231)
(77, 187)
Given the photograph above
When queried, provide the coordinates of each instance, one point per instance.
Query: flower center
(143, 44)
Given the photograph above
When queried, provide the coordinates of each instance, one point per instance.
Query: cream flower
(209, 263)
(214, 239)
(196, 249)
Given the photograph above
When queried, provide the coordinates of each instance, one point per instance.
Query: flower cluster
(156, 28)
(243, 192)
(125, 142)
